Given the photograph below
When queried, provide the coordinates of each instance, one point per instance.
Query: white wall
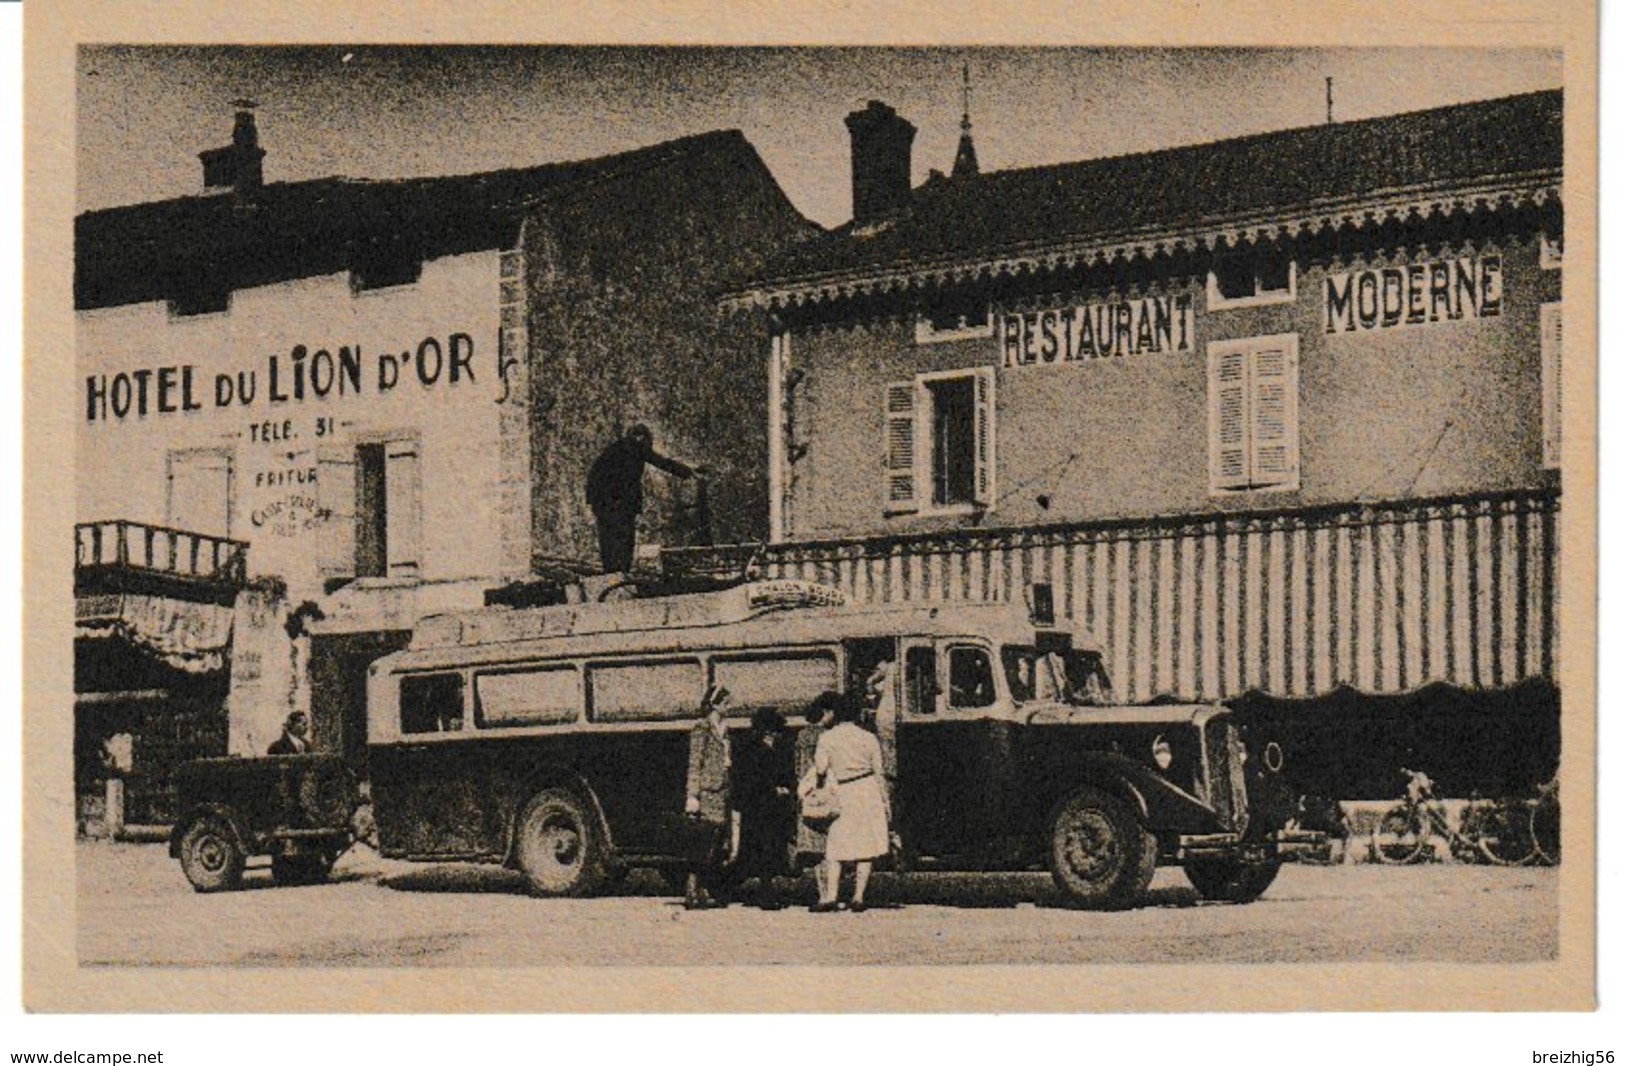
(121, 462)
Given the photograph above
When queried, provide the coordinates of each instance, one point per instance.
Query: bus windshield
(1055, 675)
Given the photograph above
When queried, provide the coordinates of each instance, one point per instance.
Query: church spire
(965, 165)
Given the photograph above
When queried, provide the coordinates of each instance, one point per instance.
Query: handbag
(820, 805)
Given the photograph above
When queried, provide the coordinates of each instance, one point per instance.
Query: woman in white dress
(849, 755)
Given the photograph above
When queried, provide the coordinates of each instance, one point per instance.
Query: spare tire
(327, 795)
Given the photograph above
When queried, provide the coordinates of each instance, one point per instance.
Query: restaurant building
(1275, 417)
(345, 404)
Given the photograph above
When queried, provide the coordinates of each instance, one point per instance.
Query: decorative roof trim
(1357, 213)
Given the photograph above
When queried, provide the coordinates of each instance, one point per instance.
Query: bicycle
(1545, 825)
(1492, 832)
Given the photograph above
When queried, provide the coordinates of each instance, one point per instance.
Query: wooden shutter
(1227, 418)
(901, 460)
(1551, 384)
(1273, 418)
(200, 491)
(335, 495)
(403, 508)
(986, 464)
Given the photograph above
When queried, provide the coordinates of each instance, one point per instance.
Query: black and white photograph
(598, 507)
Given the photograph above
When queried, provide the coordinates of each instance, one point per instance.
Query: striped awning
(191, 637)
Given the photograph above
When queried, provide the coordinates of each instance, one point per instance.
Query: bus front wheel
(560, 847)
(1100, 855)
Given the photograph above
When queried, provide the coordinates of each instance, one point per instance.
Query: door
(945, 757)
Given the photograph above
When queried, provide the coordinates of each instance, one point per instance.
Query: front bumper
(1299, 844)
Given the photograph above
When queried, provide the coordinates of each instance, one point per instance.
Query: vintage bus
(554, 740)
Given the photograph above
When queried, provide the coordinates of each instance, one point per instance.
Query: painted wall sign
(1151, 324)
(298, 376)
(1417, 294)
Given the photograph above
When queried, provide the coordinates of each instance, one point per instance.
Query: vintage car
(296, 809)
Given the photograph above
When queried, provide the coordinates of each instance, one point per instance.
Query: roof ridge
(1262, 135)
(658, 154)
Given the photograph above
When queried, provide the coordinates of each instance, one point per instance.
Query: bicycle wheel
(1503, 837)
(1398, 838)
(1546, 830)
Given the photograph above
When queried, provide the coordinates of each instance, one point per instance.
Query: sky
(380, 112)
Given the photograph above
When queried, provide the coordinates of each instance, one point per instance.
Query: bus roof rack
(607, 613)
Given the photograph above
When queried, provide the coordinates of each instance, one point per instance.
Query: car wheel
(559, 845)
(1100, 855)
(211, 856)
(1230, 880)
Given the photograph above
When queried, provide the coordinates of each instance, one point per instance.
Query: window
(545, 696)
(432, 703)
(377, 504)
(1253, 414)
(954, 319)
(970, 678)
(200, 491)
(786, 683)
(1551, 253)
(646, 691)
(206, 300)
(939, 443)
(1551, 385)
(381, 263)
(1248, 279)
(920, 677)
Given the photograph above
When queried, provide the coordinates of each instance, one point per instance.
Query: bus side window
(970, 678)
(921, 685)
(432, 703)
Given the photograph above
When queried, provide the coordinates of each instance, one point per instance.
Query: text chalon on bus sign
(1415, 294)
(302, 374)
(1151, 324)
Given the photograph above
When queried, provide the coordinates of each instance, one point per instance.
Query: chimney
(882, 151)
(239, 164)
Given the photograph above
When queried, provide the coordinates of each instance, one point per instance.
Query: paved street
(135, 907)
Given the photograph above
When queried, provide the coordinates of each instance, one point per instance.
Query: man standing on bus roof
(710, 760)
(615, 493)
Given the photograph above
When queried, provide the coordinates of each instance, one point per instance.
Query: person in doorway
(615, 493)
(709, 763)
(765, 804)
(295, 738)
(849, 755)
(811, 839)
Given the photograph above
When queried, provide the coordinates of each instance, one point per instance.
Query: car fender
(1161, 805)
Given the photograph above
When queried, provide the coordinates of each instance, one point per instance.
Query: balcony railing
(121, 556)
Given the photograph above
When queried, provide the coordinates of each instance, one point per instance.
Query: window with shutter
(200, 491)
(403, 508)
(902, 475)
(941, 439)
(1551, 384)
(336, 497)
(1253, 414)
(985, 466)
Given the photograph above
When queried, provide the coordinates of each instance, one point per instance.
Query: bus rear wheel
(559, 845)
